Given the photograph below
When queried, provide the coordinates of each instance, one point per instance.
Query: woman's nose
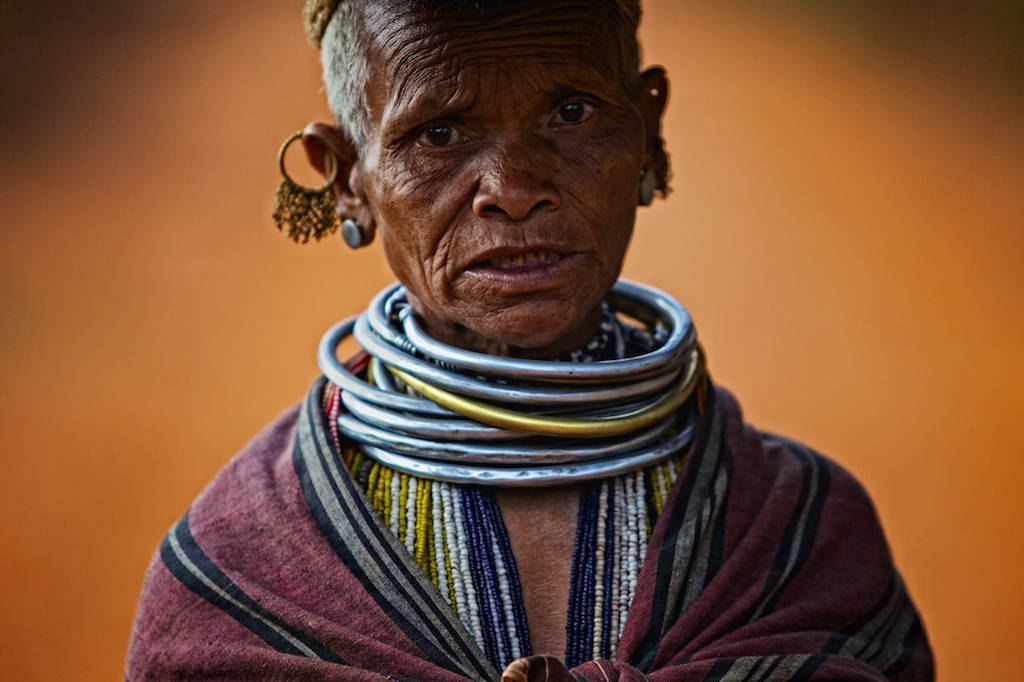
(514, 191)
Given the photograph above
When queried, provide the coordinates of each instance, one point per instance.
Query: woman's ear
(329, 145)
(652, 98)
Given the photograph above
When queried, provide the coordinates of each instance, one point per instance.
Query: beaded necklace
(457, 535)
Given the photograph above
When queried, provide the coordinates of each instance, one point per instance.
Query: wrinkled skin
(512, 133)
(505, 134)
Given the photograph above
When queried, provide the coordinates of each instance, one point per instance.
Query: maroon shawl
(767, 563)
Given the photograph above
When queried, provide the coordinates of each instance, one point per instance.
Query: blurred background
(846, 228)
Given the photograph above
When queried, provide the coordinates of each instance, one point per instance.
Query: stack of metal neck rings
(436, 411)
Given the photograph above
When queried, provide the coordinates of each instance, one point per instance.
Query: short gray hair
(346, 70)
(344, 55)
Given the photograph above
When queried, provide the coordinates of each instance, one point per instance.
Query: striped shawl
(767, 563)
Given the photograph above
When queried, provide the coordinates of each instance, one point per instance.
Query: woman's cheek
(595, 161)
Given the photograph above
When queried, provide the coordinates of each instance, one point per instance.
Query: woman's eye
(439, 136)
(574, 112)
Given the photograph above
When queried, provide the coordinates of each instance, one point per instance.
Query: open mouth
(514, 261)
(525, 270)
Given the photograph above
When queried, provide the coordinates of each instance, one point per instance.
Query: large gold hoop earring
(301, 212)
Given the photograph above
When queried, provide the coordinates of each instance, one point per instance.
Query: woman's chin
(543, 328)
(487, 317)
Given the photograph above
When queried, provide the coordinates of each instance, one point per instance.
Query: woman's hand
(536, 669)
(551, 669)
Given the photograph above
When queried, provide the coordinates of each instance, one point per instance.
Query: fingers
(517, 671)
(536, 669)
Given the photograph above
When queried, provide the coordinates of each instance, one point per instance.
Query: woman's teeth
(525, 260)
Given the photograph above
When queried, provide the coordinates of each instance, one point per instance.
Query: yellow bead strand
(385, 486)
(358, 460)
(372, 493)
(422, 522)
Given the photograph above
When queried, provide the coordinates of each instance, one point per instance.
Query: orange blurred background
(845, 228)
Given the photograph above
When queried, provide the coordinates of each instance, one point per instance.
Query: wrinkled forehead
(439, 52)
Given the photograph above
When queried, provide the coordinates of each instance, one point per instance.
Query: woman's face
(501, 169)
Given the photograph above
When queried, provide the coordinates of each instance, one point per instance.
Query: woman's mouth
(523, 260)
(525, 269)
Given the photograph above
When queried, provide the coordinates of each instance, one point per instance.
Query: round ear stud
(648, 185)
(353, 234)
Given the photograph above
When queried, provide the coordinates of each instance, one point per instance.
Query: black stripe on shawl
(766, 675)
(341, 549)
(891, 636)
(838, 640)
(871, 647)
(240, 605)
(719, 669)
(648, 646)
(718, 530)
(805, 671)
(362, 521)
(907, 650)
(731, 667)
(749, 668)
(649, 484)
(869, 635)
(801, 530)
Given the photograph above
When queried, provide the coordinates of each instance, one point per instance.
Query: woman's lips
(521, 260)
(524, 269)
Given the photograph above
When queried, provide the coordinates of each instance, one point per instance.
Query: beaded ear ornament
(301, 212)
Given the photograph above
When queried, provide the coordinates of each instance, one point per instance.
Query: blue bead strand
(477, 574)
(609, 575)
(489, 532)
(515, 587)
(590, 581)
(574, 583)
(485, 557)
(581, 607)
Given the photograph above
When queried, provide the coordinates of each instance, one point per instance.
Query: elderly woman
(526, 469)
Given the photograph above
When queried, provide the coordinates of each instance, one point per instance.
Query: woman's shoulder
(249, 498)
(811, 505)
(782, 552)
(783, 461)
(232, 570)
(253, 474)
